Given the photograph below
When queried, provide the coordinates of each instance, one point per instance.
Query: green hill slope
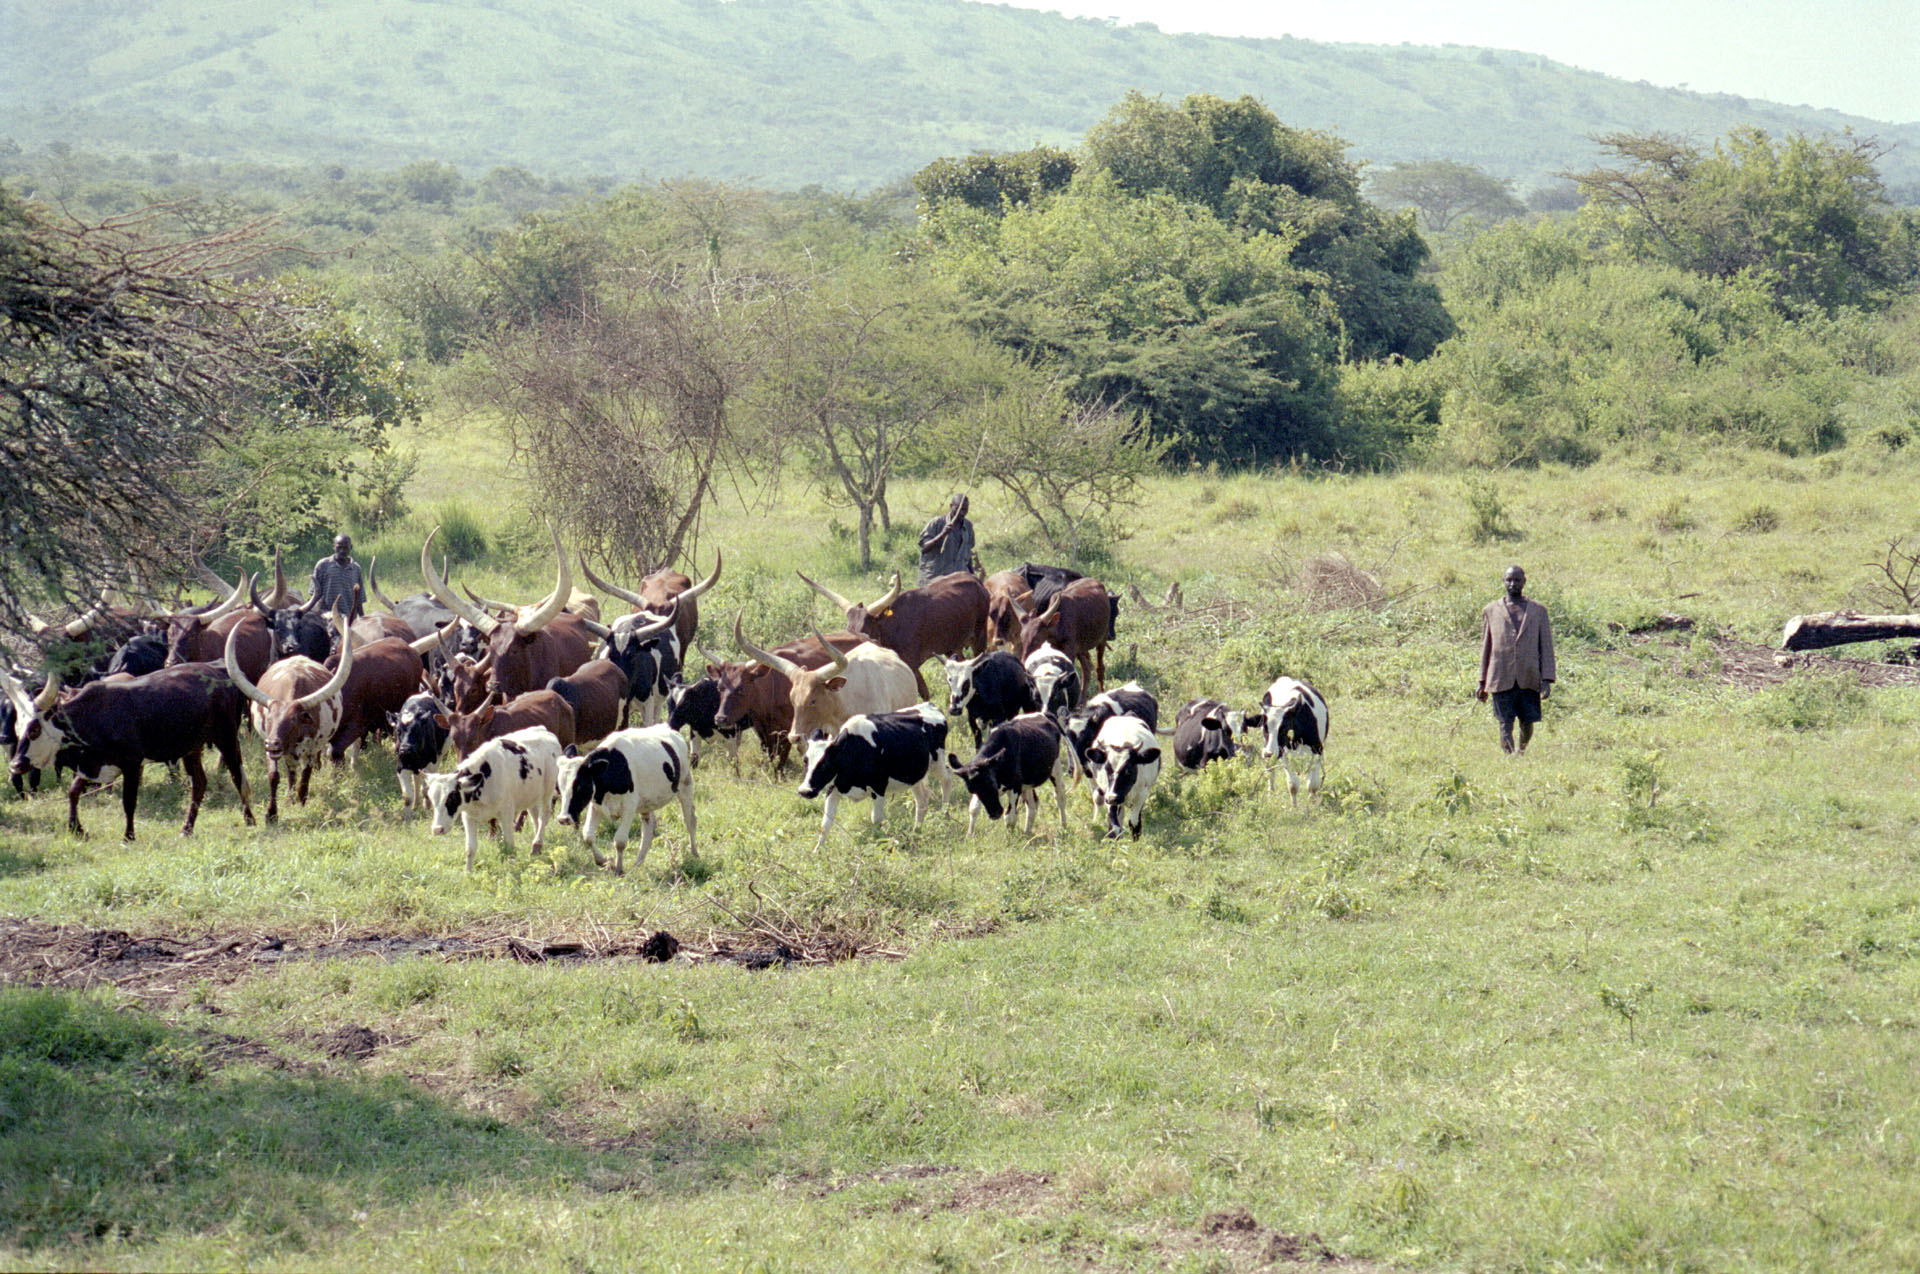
(845, 93)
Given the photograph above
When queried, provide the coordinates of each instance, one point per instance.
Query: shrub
(461, 536)
(1486, 512)
(1809, 701)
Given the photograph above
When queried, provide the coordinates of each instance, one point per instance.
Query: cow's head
(880, 621)
(39, 736)
(981, 782)
(816, 691)
(819, 771)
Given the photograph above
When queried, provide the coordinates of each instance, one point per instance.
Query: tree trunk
(866, 537)
(1839, 628)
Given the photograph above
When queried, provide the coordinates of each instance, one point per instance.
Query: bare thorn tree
(1901, 569)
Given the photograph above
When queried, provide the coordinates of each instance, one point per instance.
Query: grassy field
(1646, 998)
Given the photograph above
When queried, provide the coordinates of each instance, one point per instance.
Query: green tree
(1807, 217)
(991, 182)
(1444, 190)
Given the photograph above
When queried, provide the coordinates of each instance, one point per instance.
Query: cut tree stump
(1841, 628)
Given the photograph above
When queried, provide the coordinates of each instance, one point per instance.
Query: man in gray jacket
(1516, 660)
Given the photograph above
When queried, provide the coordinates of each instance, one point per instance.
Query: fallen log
(1840, 628)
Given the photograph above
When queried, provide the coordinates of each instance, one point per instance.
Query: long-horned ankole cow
(296, 710)
(524, 653)
(418, 611)
(633, 773)
(297, 630)
(759, 697)
(647, 653)
(386, 673)
(1293, 717)
(866, 679)
(199, 637)
(945, 617)
(112, 728)
(509, 776)
(660, 590)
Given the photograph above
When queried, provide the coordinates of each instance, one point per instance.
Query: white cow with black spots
(873, 755)
(633, 773)
(500, 780)
(1293, 717)
(1124, 762)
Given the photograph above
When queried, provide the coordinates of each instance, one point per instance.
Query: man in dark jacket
(1516, 660)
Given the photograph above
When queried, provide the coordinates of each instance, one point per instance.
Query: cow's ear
(1150, 755)
(393, 719)
(440, 719)
(953, 762)
(1096, 756)
(835, 684)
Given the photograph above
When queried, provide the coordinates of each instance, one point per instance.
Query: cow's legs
(306, 779)
(1314, 775)
(622, 834)
(922, 796)
(74, 792)
(540, 811)
(230, 760)
(826, 821)
(649, 824)
(273, 790)
(467, 821)
(686, 810)
(196, 792)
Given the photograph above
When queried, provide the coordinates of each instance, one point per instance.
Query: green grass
(1643, 999)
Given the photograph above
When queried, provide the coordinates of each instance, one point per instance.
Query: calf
(418, 741)
(597, 693)
(503, 779)
(1202, 732)
(635, 772)
(1130, 700)
(874, 755)
(1019, 755)
(537, 708)
(1124, 762)
(992, 688)
(296, 713)
(1293, 717)
(1056, 680)
(1079, 623)
(695, 709)
(647, 652)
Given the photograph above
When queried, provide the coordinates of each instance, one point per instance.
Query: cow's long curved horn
(706, 583)
(233, 602)
(423, 646)
(22, 701)
(49, 693)
(557, 600)
(838, 660)
(278, 598)
(779, 663)
(212, 581)
(373, 586)
(887, 598)
(253, 591)
(656, 625)
(708, 655)
(79, 628)
(598, 630)
(487, 603)
(240, 679)
(632, 599)
(437, 585)
(339, 678)
(829, 594)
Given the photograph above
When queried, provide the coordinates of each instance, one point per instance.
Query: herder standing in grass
(337, 581)
(1516, 660)
(946, 545)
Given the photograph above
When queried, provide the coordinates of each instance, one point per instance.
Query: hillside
(842, 93)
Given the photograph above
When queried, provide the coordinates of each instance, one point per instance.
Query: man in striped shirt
(337, 579)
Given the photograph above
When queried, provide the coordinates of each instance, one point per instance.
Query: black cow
(144, 653)
(297, 630)
(991, 688)
(873, 755)
(1203, 732)
(1130, 700)
(1018, 756)
(1043, 582)
(418, 741)
(646, 649)
(694, 709)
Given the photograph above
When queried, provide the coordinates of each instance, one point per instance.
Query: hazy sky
(1858, 56)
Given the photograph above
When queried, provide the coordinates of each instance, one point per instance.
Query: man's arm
(1548, 674)
(935, 536)
(1486, 653)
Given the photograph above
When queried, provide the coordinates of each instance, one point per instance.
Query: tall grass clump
(1809, 701)
(462, 538)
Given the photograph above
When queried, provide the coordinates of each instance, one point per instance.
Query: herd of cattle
(536, 701)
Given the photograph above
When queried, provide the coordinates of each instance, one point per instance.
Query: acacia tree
(1807, 217)
(1444, 190)
(136, 369)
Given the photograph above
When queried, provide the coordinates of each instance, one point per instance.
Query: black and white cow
(1018, 756)
(874, 755)
(418, 741)
(500, 780)
(635, 772)
(1124, 762)
(1057, 680)
(694, 709)
(644, 647)
(990, 689)
(1203, 732)
(1293, 717)
(1130, 700)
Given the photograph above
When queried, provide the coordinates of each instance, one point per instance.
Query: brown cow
(596, 691)
(760, 697)
(467, 731)
(945, 617)
(526, 652)
(386, 673)
(296, 709)
(1078, 622)
(658, 591)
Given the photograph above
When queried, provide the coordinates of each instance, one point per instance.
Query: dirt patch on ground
(1739, 663)
(160, 968)
(1235, 1240)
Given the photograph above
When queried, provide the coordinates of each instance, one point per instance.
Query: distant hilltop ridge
(846, 94)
